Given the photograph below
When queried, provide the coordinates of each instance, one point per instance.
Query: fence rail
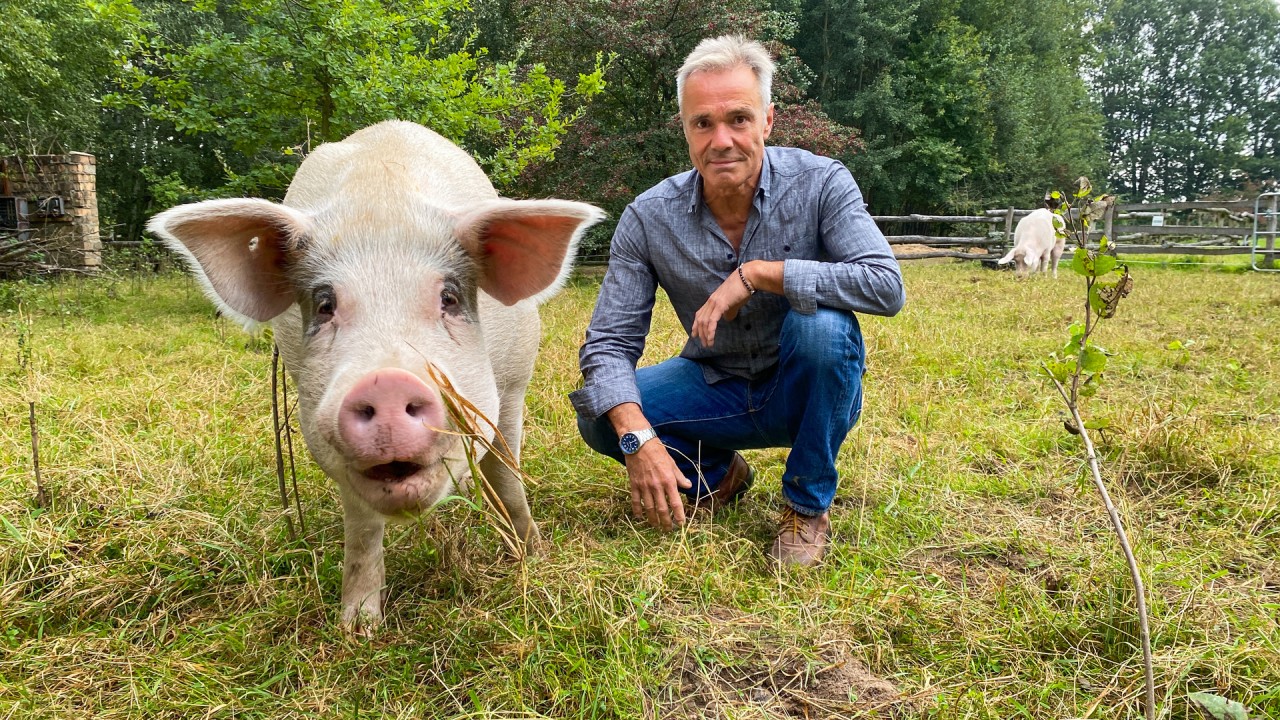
(1209, 240)
(1205, 240)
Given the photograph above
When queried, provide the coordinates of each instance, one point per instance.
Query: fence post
(1108, 222)
(1271, 232)
(1008, 228)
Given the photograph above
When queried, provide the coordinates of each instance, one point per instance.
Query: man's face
(725, 124)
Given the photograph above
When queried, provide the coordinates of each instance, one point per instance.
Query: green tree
(270, 79)
(632, 137)
(961, 105)
(1191, 93)
(146, 164)
(57, 56)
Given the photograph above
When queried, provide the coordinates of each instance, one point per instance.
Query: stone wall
(69, 238)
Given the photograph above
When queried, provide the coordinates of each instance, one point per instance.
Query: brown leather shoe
(735, 483)
(802, 540)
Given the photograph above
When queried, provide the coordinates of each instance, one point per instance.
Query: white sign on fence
(1157, 220)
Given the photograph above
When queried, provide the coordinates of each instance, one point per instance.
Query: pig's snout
(388, 422)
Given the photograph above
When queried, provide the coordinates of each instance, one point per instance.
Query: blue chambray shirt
(807, 211)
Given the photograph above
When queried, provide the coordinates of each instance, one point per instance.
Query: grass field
(973, 573)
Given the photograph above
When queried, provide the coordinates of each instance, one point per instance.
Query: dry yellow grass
(973, 569)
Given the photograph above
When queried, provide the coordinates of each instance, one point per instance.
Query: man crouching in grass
(766, 254)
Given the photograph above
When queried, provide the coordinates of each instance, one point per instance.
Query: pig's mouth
(400, 486)
(394, 471)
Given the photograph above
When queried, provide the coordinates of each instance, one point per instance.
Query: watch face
(630, 443)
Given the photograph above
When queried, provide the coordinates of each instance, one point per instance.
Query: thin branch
(288, 436)
(42, 497)
(275, 421)
(1140, 592)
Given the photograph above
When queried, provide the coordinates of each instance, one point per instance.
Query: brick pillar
(68, 239)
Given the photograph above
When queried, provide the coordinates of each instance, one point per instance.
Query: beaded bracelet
(743, 277)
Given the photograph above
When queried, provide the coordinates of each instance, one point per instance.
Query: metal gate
(1264, 233)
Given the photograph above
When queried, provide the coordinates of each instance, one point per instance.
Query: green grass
(973, 566)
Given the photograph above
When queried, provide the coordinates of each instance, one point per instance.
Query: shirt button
(786, 248)
(747, 326)
(729, 256)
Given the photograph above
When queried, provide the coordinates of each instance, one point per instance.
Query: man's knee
(824, 338)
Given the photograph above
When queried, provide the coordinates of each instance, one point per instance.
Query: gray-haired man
(765, 253)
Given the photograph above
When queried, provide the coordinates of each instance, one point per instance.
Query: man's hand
(653, 475)
(732, 294)
(725, 303)
(654, 481)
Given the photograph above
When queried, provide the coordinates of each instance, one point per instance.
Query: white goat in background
(1036, 244)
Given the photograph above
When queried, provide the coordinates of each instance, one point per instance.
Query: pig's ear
(524, 247)
(239, 249)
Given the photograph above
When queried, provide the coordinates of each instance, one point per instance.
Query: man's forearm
(627, 417)
(764, 275)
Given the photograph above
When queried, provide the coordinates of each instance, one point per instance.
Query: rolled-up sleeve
(615, 337)
(860, 272)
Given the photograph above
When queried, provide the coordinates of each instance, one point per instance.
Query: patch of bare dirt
(751, 680)
(977, 567)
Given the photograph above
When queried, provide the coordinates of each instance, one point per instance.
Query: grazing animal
(392, 262)
(1036, 244)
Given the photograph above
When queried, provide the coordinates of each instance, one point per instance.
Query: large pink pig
(391, 252)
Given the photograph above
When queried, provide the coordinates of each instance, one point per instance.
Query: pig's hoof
(536, 547)
(360, 623)
(533, 546)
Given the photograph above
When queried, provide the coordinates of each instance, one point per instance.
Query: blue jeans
(808, 403)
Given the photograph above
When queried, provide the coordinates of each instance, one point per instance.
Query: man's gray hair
(726, 53)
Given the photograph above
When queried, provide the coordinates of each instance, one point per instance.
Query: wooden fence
(1129, 226)
(1229, 231)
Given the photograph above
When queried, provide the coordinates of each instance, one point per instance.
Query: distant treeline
(937, 106)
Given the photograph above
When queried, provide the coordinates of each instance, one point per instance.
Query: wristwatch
(630, 442)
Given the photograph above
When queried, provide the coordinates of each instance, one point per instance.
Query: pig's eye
(326, 304)
(448, 300)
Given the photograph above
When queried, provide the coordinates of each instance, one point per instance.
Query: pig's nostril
(366, 411)
(413, 409)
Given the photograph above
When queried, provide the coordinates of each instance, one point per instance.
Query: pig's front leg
(505, 482)
(363, 571)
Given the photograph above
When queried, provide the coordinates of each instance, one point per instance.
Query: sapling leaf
(1080, 262)
(1218, 708)
(1093, 360)
(1096, 301)
(1103, 264)
(1175, 345)
(1059, 370)
(1095, 209)
(1110, 294)
(1097, 424)
(1088, 390)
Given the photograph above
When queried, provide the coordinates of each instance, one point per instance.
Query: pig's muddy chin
(400, 487)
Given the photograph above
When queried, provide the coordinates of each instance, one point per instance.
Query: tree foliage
(936, 105)
(57, 55)
(271, 79)
(1191, 93)
(632, 137)
(962, 105)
